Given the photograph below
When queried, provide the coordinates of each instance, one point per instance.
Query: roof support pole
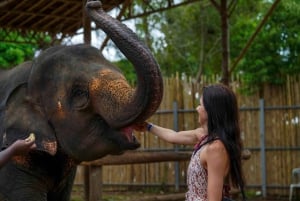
(87, 40)
(86, 25)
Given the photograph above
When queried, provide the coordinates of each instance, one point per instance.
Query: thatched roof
(54, 16)
(59, 19)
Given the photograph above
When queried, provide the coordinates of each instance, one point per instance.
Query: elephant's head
(76, 100)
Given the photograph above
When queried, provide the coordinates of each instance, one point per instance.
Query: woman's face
(202, 113)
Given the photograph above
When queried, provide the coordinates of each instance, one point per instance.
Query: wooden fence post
(86, 185)
(93, 183)
(96, 183)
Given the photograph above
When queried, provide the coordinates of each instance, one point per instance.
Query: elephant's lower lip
(135, 142)
(131, 145)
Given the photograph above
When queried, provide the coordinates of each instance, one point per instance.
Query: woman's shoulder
(216, 147)
(215, 154)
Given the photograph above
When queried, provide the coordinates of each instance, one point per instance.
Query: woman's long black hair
(221, 106)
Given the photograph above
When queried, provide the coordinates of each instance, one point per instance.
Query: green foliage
(274, 53)
(182, 43)
(127, 69)
(190, 41)
(12, 54)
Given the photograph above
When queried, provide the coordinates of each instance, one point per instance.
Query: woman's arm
(5, 155)
(189, 137)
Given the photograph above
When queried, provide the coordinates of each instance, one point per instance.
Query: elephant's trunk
(148, 94)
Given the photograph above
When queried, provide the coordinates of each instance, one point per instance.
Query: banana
(30, 138)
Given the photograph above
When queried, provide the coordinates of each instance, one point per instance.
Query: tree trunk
(223, 9)
(225, 42)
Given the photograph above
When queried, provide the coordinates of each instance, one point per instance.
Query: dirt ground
(174, 197)
(162, 196)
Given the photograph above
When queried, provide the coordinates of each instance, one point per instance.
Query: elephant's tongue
(128, 132)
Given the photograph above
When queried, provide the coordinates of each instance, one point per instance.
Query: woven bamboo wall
(282, 130)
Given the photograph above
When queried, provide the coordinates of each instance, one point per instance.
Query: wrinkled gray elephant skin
(80, 108)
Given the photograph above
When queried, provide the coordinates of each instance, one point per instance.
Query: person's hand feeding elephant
(19, 147)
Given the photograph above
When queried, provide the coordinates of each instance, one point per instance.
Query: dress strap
(201, 141)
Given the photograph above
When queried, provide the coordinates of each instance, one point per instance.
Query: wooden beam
(136, 157)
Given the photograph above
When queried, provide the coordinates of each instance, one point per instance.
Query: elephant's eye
(79, 97)
(78, 93)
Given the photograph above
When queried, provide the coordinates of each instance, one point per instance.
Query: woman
(217, 154)
(19, 147)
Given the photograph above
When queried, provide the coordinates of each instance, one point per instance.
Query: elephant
(79, 106)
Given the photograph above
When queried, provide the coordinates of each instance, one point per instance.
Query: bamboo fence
(282, 137)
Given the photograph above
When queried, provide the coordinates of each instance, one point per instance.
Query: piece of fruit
(30, 138)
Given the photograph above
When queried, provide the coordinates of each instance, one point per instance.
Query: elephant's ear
(22, 118)
(11, 79)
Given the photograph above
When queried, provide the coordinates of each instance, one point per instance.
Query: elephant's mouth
(125, 140)
(128, 133)
(132, 142)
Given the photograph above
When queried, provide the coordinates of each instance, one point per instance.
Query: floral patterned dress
(197, 176)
